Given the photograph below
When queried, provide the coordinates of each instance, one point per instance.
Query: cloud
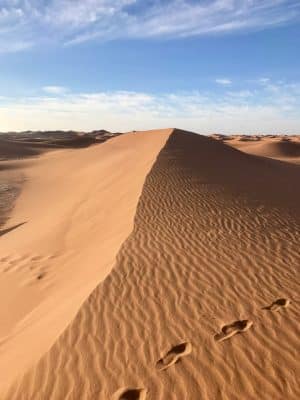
(224, 81)
(75, 21)
(56, 90)
(14, 47)
(264, 81)
(267, 109)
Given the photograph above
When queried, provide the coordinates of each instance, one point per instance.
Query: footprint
(130, 394)
(278, 304)
(232, 329)
(174, 355)
(40, 276)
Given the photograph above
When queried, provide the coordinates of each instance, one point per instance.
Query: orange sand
(76, 207)
(203, 298)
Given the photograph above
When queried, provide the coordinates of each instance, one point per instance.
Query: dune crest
(215, 238)
(75, 210)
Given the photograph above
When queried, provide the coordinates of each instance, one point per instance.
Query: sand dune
(27, 144)
(75, 210)
(280, 148)
(213, 255)
(10, 149)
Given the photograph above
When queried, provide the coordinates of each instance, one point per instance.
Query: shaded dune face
(284, 148)
(11, 150)
(216, 238)
(22, 145)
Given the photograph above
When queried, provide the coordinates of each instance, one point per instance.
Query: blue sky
(209, 66)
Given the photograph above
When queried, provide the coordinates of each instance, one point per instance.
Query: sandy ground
(203, 298)
(75, 210)
(283, 148)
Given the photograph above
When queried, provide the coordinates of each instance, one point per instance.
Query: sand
(20, 145)
(201, 295)
(283, 148)
(75, 210)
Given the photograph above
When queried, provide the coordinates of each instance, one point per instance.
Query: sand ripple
(216, 239)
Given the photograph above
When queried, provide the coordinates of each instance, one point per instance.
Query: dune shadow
(7, 230)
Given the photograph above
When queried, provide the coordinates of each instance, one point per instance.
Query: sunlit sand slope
(76, 209)
(203, 301)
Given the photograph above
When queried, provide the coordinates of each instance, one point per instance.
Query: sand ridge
(215, 241)
(75, 210)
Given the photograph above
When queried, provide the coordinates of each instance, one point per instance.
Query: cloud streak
(56, 90)
(224, 81)
(269, 108)
(24, 23)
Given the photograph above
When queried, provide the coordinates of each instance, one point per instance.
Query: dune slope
(203, 301)
(284, 149)
(75, 210)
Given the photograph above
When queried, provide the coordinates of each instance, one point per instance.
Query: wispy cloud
(24, 22)
(264, 81)
(270, 108)
(56, 90)
(224, 81)
(14, 46)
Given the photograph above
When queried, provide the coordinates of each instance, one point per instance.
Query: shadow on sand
(7, 230)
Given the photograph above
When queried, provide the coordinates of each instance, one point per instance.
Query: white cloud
(14, 47)
(56, 90)
(260, 110)
(264, 81)
(241, 94)
(73, 21)
(224, 81)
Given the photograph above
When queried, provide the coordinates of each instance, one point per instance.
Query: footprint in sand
(40, 276)
(174, 355)
(130, 394)
(232, 329)
(278, 304)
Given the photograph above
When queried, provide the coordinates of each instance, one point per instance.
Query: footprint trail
(232, 329)
(278, 304)
(174, 355)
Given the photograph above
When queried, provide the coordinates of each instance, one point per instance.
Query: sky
(226, 66)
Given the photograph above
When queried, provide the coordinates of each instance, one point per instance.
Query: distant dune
(12, 150)
(158, 265)
(25, 144)
(284, 148)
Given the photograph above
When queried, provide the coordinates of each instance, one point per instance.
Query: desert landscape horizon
(159, 282)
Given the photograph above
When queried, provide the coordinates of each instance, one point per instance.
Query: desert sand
(284, 148)
(75, 210)
(157, 265)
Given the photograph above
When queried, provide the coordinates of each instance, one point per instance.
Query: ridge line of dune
(133, 153)
(211, 250)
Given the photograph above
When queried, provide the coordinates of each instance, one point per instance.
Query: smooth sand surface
(75, 210)
(280, 147)
(203, 300)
